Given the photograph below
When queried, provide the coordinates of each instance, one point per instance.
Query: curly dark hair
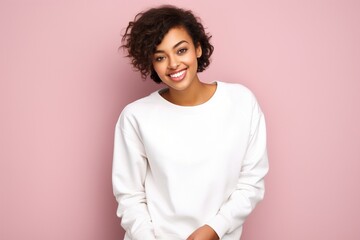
(149, 28)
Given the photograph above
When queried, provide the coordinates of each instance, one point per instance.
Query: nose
(173, 63)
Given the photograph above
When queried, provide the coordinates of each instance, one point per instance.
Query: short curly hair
(149, 28)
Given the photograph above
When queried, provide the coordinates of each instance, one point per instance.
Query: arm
(250, 186)
(128, 177)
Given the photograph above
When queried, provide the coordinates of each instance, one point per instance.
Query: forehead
(174, 36)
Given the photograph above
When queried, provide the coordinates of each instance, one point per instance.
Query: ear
(198, 50)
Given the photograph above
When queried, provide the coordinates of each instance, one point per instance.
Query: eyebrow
(176, 45)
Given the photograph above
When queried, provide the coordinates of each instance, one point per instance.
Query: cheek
(193, 63)
(191, 59)
(157, 68)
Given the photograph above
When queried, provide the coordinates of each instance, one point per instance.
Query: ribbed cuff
(220, 225)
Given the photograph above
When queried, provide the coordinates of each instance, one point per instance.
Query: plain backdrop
(63, 83)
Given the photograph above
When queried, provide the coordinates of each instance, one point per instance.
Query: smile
(178, 74)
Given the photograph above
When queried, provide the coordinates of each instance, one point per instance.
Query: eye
(182, 51)
(159, 58)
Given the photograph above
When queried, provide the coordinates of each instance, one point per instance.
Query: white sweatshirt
(177, 168)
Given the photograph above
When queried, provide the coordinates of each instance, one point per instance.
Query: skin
(203, 233)
(178, 54)
(175, 53)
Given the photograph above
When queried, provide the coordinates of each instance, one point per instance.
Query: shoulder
(237, 92)
(243, 100)
(142, 105)
(138, 109)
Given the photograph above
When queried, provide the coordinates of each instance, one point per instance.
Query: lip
(179, 77)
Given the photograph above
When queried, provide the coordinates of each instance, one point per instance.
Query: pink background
(63, 84)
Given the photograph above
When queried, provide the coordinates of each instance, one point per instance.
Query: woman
(189, 159)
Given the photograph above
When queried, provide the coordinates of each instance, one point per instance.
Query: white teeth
(178, 74)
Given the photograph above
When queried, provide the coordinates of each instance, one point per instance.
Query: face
(175, 59)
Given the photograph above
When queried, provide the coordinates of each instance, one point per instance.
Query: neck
(198, 93)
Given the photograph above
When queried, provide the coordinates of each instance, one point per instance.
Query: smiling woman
(175, 62)
(189, 159)
(148, 29)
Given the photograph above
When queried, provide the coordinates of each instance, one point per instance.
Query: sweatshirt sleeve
(250, 186)
(128, 177)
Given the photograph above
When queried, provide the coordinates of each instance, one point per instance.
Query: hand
(204, 233)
